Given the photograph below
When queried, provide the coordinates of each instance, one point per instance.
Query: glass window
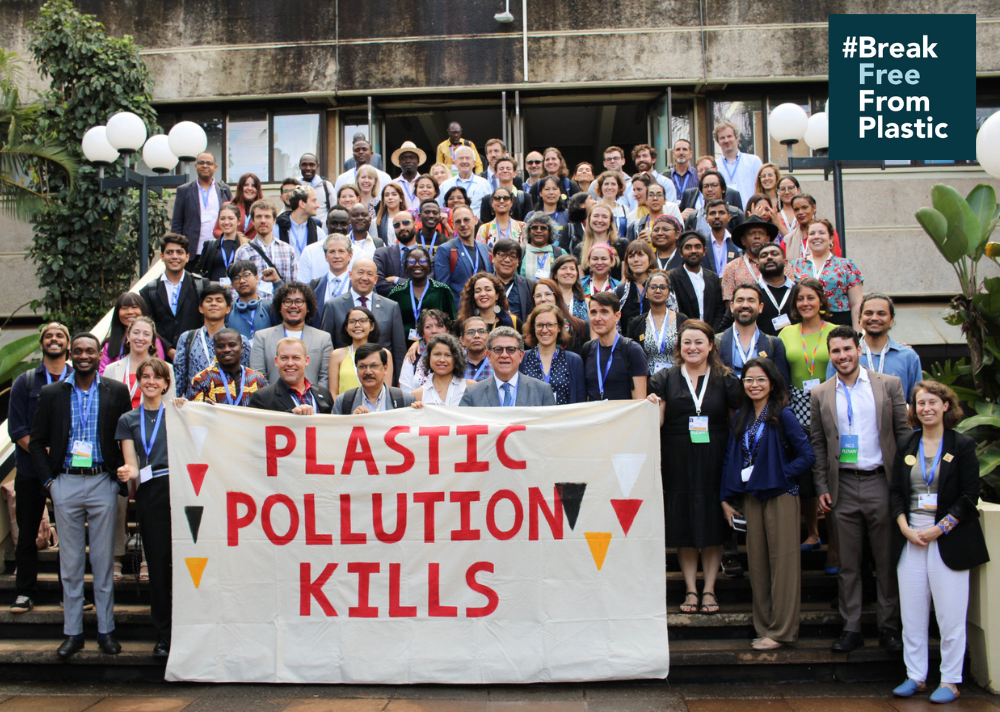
(351, 129)
(745, 115)
(294, 135)
(247, 144)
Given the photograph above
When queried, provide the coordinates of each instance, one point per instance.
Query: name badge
(780, 322)
(745, 473)
(83, 454)
(927, 501)
(145, 474)
(849, 449)
(730, 255)
(542, 273)
(657, 367)
(698, 427)
(810, 384)
(225, 281)
(414, 335)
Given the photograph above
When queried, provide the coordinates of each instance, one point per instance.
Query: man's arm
(18, 426)
(817, 436)
(257, 354)
(177, 218)
(324, 367)
(41, 434)
(894, 387)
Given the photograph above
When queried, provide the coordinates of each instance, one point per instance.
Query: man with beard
(228, 380)
(777, 284)
(374, 396)
(308, 167)
(475, 187)
(663, 238)
(878, 351)
(698, 291)
(275, 260)
(28, 489)
(477, 363)
(296, 304)
(292, 392)
(857, 419)
(359, 144)
(408, 158)
(460, 258)
(76, 458)
(644, 157)
(712, 186)
(362, 157)
(533, 164)
(495, 148)
(722, 250)
(683, 175)
(750, 236)
(391, 259)
(744, 340)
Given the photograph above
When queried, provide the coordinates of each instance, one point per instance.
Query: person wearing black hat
(749, 236)
(698, 290)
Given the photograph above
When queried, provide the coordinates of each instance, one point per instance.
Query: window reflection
(247, 144)
(294, 134)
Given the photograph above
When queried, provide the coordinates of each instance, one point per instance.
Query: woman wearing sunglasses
(420, 292)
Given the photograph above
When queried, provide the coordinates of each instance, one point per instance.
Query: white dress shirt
(698, 282)
(357, 299)
(865, 420)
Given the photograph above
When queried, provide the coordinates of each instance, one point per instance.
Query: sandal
(690, 607)
(118, 571)
(143, 572)
(709, 608)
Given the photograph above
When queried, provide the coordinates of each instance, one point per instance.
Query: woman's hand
(929, 534)
(125, 473)
(729, 511)
(653, 398)
(912, 535)
(417, 404)
(179, 402)
(411, 353)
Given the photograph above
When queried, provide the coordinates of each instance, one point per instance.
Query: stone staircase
(703, 648)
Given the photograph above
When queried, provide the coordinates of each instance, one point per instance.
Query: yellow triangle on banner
(598, 542)
(196, 567)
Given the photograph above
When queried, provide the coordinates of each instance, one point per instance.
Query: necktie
(364, 301)
(506, 395)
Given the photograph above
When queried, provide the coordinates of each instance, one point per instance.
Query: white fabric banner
(441, 545)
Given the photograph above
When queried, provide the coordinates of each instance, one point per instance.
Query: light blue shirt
(900, 361)
(173, 292)
(477, 189)
(513, 388)
(741, 174)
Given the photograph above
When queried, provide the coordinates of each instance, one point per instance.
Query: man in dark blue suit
(391, 259)
(196, 207)
(458, 259)
(744, 341)
(337, 281)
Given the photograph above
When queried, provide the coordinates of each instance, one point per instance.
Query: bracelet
(948, 523)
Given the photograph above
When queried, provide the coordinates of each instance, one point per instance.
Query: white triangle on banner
(198, 434)
(627, 470)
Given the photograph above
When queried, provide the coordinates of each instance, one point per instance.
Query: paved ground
(617, 697)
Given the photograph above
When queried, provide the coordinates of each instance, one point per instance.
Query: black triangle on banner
(571, 494)
(194, 520)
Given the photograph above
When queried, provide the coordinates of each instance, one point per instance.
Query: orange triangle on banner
(197, 475)
(196, 567)
(598, 542)
(626, 509)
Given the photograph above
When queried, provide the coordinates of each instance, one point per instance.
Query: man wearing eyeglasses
(419, 292)
(390, 260)
(533, 164)
(506, 260)
(508, 388)
(460, 258)
(251, 312)
(196, 208)
(477, 362)
(374, 395)
(296, 304)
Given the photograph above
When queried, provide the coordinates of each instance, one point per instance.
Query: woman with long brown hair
(484, 296)
(248, 190)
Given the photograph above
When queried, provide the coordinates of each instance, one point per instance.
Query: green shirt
(799, 358)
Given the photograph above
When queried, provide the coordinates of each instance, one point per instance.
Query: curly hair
(286, 289)
(457, 354)
(467, 300)
(952, 417)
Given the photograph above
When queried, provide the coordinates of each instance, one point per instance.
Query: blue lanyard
(660, 336)
(83, 403)
(738, 348)
(48, 376)
(225, 386)
(232, 255)
(246, 222)
(204, 194)
(299, 235)
(148, 446)
(300, 401)
(607, 368)
(250, 317)
(433, 241)
(413, 300)
(475, 265)
(756, 440)
(479, 371)
(411, 193)
(934, 465)
(736, 167)
(850, 406)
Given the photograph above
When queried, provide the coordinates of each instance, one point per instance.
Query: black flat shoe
(109, 644)
(847, 642)
(731, 566)
(70, 646)
(161, 649)
(890, 640)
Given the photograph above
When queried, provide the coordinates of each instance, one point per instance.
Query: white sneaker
(22, 604)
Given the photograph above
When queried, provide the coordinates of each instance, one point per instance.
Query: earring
(496, 308)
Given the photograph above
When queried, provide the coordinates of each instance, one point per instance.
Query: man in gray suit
(364, 275)
(374, 396)
(508, 388)
(857, 418)
(295, 303)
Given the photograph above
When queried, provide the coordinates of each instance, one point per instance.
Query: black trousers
(152, 502)
(30, 499)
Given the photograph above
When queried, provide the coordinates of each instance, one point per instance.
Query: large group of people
(716, 291)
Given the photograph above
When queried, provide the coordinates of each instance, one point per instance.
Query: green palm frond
(19, 167)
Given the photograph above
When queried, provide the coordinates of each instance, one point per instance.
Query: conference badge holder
(849, 449)
(698, 427)
(83, 454)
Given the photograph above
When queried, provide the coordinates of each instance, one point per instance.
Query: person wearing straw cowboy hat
(408, 158)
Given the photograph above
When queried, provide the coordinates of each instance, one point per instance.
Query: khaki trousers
(775, 565)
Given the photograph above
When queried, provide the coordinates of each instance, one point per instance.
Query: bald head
(364, 274)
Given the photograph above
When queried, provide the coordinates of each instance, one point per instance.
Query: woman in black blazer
(933, 494)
